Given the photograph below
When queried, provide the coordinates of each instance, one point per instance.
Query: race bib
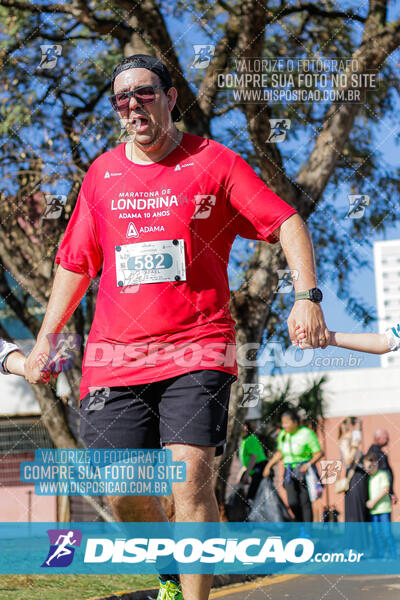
(150, 262)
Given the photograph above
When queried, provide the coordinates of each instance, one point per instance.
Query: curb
(219, 581)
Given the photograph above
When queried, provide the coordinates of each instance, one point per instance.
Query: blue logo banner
(251, 548)
(88, 472)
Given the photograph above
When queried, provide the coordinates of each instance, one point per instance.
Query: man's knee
(199, 479)
(131, 508)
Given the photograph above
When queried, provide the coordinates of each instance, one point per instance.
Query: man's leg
(193, 425)
(195, 501)
(136, 508)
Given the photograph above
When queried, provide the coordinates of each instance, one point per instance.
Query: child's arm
(371, 503)
(11, 359)
(14, 363)
(374, 343)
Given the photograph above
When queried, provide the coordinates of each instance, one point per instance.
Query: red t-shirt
(162, 233)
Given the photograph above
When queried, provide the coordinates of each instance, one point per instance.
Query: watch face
(316, 295)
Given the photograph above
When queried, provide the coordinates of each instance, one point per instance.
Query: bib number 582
(152, 261)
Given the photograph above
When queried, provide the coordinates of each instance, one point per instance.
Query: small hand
(310, 315)
(369, 504)
(301, 340)
(38, 368)
(304, 468)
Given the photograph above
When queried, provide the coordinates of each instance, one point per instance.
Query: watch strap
(302, 295)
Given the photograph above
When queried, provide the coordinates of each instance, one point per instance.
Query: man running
(62, 549)
(165, 350)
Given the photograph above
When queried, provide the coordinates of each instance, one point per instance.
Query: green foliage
(64, 117)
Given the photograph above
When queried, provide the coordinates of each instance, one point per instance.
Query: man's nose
(133, 103)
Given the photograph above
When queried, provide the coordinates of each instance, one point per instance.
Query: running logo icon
(330, 470)
(251, 394)
(203, 55)
(63, 543)
(204, 204)
(357, 206)
(50, 54)
(279, 129)
(286, 279)
(54, 206)
(97, 398)
(63, 347)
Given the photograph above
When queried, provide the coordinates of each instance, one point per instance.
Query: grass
(71, 587)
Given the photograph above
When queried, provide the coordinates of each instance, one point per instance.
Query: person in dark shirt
(381, 439)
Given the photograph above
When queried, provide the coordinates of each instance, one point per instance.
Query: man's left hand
(310, 316)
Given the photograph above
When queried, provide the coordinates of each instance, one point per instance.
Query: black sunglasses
(144, 94)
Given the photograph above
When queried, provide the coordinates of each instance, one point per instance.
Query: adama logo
(132, 231)
(62, 550)
(179, 167)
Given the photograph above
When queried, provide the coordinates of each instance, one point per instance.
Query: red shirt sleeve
(256, 210)
(80, 250)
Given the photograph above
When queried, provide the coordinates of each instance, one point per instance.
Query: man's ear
(172, 95)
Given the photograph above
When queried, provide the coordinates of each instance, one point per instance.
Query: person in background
(379, 506)
(253, 459)
(350, 440)
(381, 439)
(299, 449)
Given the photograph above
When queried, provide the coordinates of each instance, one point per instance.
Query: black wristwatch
(315, 295)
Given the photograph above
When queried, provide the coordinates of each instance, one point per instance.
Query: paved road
(317, 587)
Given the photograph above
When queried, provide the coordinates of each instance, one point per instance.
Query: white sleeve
(393, 337)
(5, 349)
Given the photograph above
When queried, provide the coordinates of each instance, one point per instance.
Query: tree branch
(209, 87)
(155, 35)
(81, 11)
(16, 305)
(378, 42)
(274, 14)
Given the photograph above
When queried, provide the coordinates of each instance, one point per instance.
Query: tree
(310, 405)
(54, 122)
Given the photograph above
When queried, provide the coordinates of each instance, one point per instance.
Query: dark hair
(153, 64)
(346, 422)
(371, 456)
(249, 426)
(291, 414)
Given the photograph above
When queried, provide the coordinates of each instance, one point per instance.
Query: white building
(373, 391)
(387, 281)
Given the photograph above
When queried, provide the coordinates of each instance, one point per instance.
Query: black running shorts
(188, 409)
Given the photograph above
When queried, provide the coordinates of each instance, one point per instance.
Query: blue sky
(363, 282)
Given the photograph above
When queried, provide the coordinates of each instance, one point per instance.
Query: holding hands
(36, 368)
(307, 327)
(39, 365)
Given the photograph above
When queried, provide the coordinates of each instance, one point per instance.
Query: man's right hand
(37, 366)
